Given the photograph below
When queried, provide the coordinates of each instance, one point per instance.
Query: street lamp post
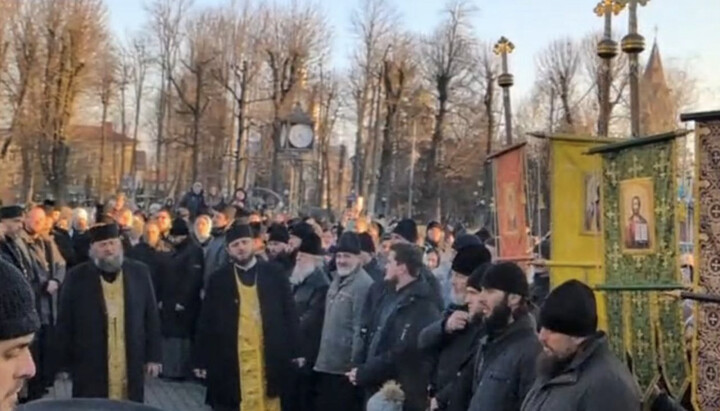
(606, 50)
(633, 44)
(502, 48)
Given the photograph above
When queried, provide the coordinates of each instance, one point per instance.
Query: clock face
(300, 136)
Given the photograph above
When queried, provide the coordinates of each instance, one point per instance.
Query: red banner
(510, 204)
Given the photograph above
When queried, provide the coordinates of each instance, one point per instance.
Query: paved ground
(168, 396)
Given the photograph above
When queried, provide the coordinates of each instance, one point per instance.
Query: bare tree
(487, 73)
(190, 84)
(106, 85)
(292, 39)
(594, 70)
(558, 66)
(74, 32)
(166, 20)
(372, 23)
(399, 74)
(237, 74)
(447, 56)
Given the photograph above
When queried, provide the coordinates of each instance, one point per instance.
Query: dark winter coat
(215, 257)
(82, 329)
(16, 253)
(374, 270)
(217, 342)
(153, 258)
(595, 380)
(65, 245)
(437, 291)
(397, 355)
(449, 351)
(503, 368)
(180, 281)
(309, 299)
(81, 246)
(195, 203)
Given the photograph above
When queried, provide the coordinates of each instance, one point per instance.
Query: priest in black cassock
(108, 322)
(247, 331)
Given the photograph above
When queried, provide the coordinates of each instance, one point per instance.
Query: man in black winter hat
(509, 349)
(18, 324)
(108, 322)
(577, 370)
(247, 332)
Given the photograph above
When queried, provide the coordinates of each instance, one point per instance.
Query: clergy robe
(216, 346)
(83, 329)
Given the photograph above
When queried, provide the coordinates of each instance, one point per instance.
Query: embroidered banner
(639, 199)
(706, 344)
(509, 173)
(575, 215)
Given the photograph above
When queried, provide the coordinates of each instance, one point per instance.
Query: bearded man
(108, 325)
(309, 286)
(577, 370)
(504, 366)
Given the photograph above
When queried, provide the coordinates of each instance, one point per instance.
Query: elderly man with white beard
(341, 340)
(108, 325)
(309, 287)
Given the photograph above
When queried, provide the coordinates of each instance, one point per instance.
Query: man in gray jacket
(341, 340)
(577, 371)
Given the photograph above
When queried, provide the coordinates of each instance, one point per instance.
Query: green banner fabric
(641, 250)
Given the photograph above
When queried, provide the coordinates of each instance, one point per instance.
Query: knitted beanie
(389, 398)
(507, 277)
(407, 229)
(469, 258)
(570, 309)
(18, 317)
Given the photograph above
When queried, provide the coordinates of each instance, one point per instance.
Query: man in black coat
(179, 285)
(504, 366)
(453, 339)
(108, 326)
(219, 333)
(309, 286)
(367, 255)
(577, 370)
(392, 351)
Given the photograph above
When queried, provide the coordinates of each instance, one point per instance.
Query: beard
(551, 365)
(300, 273)
(202, 237)
(499, 318)
(345, 271)
(110, 264)
(457, 298)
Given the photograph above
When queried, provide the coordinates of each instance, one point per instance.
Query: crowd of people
(273, 314)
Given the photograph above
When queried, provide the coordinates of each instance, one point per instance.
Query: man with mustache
(576, 369)
(108, 325)
(309, 285)
(18, 324)
(504, 366)
(341, 340)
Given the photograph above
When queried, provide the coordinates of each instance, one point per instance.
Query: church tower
(658, 110)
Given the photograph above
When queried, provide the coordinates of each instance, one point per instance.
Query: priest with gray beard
(309, 286)
(108, 324)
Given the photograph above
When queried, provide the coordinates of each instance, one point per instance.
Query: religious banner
(576, 240)
(706, 339)
(640, 259)
(509, 173)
